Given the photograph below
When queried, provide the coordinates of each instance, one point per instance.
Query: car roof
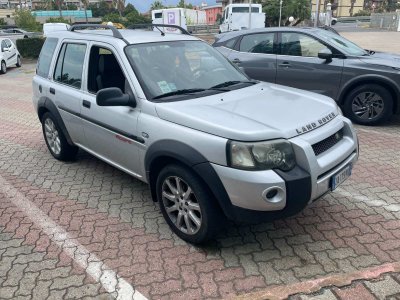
(136, 36)
(232, 34)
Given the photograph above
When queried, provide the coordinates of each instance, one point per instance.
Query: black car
(365, 83)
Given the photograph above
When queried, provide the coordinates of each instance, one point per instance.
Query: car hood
(390, 60)
(260, 112)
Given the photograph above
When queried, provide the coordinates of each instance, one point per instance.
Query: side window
(258, 43)
(296, 44)
(45, 57)
(8, 43)
(3, 45)
(231, 43)
(70, 65)
(104, 71)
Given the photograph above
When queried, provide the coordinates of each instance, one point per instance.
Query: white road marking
(110, 281)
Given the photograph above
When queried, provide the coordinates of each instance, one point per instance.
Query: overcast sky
(144, 5)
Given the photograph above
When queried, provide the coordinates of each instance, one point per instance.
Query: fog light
(274, 194)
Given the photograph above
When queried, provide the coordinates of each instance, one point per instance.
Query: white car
(9, 55)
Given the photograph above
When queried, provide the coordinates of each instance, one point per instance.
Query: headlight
(277, 154)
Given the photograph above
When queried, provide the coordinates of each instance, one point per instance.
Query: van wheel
(187, 205)
(3, 67)
(55, 139)
(369, 104)
(19, 63)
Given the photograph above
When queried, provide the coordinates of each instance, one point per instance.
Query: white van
(237, 17)
(50, 27)
(178, 16)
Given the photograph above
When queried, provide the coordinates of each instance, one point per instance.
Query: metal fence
(389, 21)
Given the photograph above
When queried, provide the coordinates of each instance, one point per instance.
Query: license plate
(340, 177)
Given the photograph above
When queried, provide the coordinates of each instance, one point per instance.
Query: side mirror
(114, 97)
(325, 54)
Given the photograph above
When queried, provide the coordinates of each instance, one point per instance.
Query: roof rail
(114, 30)
(135, 26)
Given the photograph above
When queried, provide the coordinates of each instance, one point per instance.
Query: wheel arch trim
(46, 105)
(376, 79)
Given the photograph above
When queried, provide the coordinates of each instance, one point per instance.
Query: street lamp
(280, 12)
(328, 18)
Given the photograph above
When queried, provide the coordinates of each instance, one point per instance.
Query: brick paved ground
(85, 229)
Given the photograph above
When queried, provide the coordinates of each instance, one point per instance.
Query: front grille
(328, 143)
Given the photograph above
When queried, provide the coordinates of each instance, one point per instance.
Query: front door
(110, 132)
(300, 67)
(256, 54)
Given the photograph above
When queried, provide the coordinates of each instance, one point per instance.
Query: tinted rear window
(46, 56)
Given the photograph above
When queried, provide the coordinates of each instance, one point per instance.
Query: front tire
(187, 205)
(55, 139)
(19, 63)
(369, 104)
(3, 67)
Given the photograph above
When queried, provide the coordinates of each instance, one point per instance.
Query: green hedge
(30, 47)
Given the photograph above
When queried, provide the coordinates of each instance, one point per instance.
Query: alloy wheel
(367, 105)
(52, 136)
(181, 205)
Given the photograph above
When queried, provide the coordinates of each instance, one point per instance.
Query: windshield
(181, 67)
(341, 43)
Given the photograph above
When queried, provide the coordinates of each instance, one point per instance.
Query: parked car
(9, 55)
(365, 83)
(171, 111)
(24, 33)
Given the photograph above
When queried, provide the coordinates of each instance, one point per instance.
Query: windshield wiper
(229, 83)
(179, 92)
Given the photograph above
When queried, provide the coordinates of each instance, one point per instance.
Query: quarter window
(296, 44)
(258, 43)
(45, 57)
(3, 45)
(70, 65)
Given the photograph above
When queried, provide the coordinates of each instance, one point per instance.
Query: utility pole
(280, 12)
(316, 21)
(250, 12)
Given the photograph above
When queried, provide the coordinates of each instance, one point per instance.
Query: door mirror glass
(325, 54)
(114, 97)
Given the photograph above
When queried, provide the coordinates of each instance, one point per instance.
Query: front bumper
(309, 180)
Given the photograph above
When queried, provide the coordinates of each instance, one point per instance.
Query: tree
(130, 8)
(25, 20)
(136, 18)
(112, 17)
(299, 9)
(57, 20)
(2, 22)
(157, 5)
(101, 10)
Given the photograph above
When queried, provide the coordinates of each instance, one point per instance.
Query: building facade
(212, 13)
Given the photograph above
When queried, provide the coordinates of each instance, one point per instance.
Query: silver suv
(170, 110)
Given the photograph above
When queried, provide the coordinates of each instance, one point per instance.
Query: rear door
(256, 54)
(65, 88)
(300, 67)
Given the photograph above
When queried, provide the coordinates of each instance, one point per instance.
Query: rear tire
(55, 139)
(181, 192)
(19, 63)
(368, 104)
(3, 67)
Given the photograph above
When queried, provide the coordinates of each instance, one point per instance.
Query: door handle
(86, 103)
(52, 91)
(40, 88)
(236, 61)
(285, 64)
